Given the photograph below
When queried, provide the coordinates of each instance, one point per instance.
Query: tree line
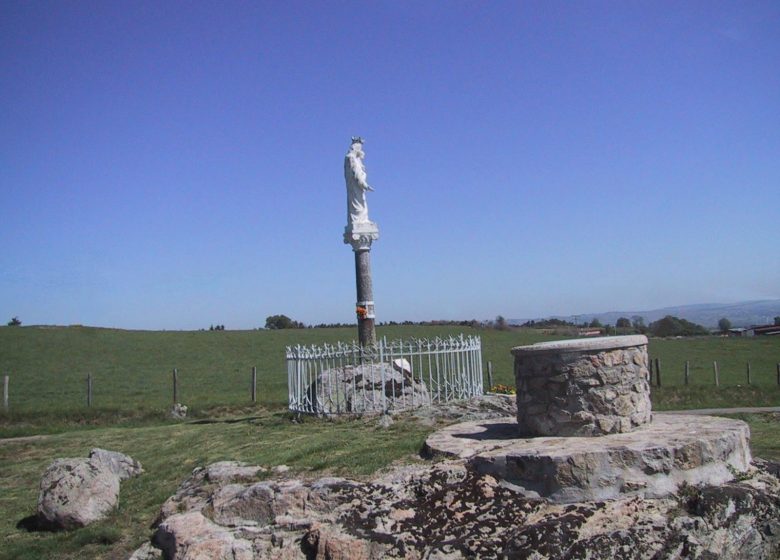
(667, 326)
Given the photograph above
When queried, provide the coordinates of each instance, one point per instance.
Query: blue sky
(180, 164)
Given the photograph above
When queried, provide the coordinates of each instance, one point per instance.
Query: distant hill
(743, 314)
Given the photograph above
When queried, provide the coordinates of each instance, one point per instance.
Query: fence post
(490, 375)
(175, 385)
(748, 374)
(89, 389)
(254, 384)
(650, 371)
(717, 373)
(5, 388)
(687, 371)
(658, 372)
(778, 373)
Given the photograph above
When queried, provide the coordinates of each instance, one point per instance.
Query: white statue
(355, 174)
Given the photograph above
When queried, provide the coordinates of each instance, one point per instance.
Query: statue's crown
(357, 140)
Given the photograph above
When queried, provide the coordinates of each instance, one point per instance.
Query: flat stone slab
(652, 461)
(582, 344)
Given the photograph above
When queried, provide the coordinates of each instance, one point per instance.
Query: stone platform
(652, 461)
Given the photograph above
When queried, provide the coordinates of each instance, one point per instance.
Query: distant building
(763, 330)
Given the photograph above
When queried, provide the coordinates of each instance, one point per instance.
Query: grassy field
(131, 370)
(132, 391)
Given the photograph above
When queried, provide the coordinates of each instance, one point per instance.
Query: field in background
(132, 392)
(131, 370)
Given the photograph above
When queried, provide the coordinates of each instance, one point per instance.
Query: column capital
(361, 235)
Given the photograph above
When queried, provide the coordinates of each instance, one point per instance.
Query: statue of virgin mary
(355, 175)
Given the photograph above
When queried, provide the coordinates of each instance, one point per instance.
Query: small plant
(502, 389)
(688, 496)
(738, 476)
(103, 535)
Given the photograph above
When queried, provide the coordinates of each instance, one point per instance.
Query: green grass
(732, 355)
(683, 398)
(132, 370)
(764, 439)
(169, 453)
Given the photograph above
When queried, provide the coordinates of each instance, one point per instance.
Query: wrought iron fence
(398, 375)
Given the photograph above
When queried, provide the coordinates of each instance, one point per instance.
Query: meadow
(132, 370)
(132, 392)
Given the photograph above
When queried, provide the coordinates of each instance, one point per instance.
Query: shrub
(674, 326)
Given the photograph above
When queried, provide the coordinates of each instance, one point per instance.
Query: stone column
(360, 236)
(582, 387)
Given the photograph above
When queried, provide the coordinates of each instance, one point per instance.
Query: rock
(146, 552)
(179, 411)
(450, 511)
(403, 366)
(330, 543)
(75, 493)
(191, 536)
(118, 463)
(367, 388)
(191, 494)
(478, 408)
(236, 504)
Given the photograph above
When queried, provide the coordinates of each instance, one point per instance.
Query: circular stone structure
(582, 387)
(652, 461)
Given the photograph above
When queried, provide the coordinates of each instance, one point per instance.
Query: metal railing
(350, 379)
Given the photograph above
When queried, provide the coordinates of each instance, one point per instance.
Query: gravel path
(701, 411)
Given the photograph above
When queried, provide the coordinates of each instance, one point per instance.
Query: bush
(674, 326)
(282, 322)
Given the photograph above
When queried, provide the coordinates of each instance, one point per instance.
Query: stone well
(582, 387)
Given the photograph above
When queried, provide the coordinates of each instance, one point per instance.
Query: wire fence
(399, 375)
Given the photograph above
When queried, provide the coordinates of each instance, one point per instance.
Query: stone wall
(587, 387)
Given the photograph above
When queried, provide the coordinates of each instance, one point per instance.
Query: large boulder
(191, 536)
(367, 388)
(76, 492)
